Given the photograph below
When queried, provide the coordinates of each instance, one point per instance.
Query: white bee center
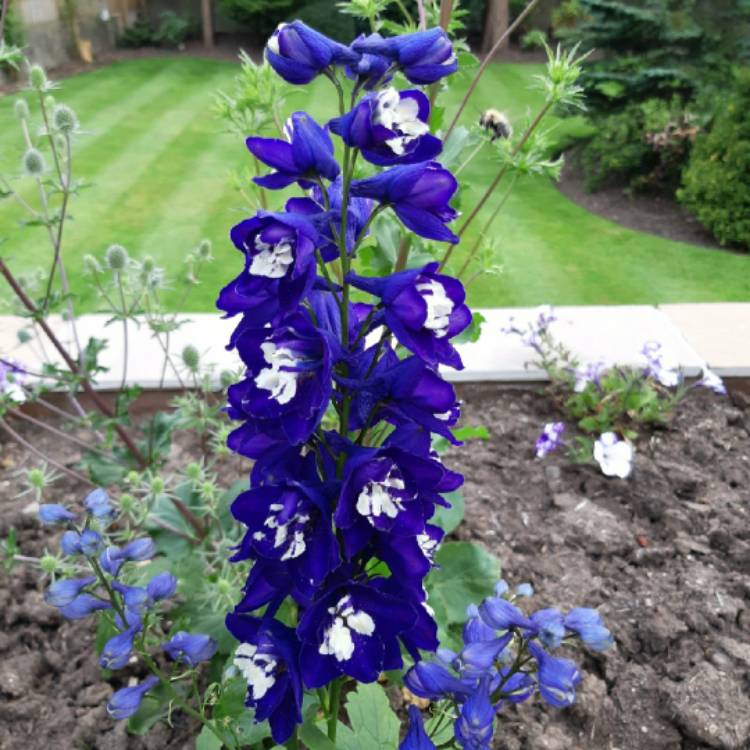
(279, 532)
(272, 261)
(428, 545)
(273, 42)
(280, 382)
(401, 116)
(256, 668)
(376, 500)
(439, 306)
(337, 639)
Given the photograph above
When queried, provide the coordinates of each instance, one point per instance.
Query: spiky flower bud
(37, 78)
(133, 477)
(204, 250)
(48, 563)
(127, 503)
(156, 485)
(226, 378)
(33, 163)
(21, 109)
(147, 264)
(64, 119)
(36, 478)
(191, 358)
(224, 586)
(116, 257)
(91, 265)
(194, 471)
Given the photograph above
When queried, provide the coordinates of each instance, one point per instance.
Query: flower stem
(334, 701)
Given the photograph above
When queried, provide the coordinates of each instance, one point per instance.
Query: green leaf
(467, 574)
(314, 738)
(458, 141)
(207, 740)
(152, 709)
(373, 721)
(448, 519)
(471, 334)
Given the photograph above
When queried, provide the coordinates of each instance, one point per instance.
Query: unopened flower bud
(204, 250)
(133, 477)
(36, 478)
(224, 587)
(64, 119)
(156, 485)
(226, 378)
(191, 358)
(91, 265)
(147, 264)
(21, 109)
(127, 503)
(33, 163)
(37, 78)
(49, 564)
(194, 471)
(116, 257)
(49, 103)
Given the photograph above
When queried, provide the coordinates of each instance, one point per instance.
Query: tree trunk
(496, 23)
(208, 23)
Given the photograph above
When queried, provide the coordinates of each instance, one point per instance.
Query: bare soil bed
(664, 555)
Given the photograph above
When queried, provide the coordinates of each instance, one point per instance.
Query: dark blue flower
(305, 157)
(416, 737)
(549, 627)
(279, 267)
(370, 71)
(191, 648)
(420, 195)
(64, 592)
(117, 650)
(54, 513)
(424, 309)
(70, 543)
(589, 626)
(289, 523)
(475, 725)
(298, 53)
(137, 550)
(109, 560)
(424, 57)
(389, 490)
(353, 630)
(126, 701)
(390, 127)
(324, 213)
(404, 392)
(267, 658)
(161, 586)
(97, 504)
(515, 687)
(83, 606)
(433, 681)
(557, 678)
(90, 542)
(500, 614)
(136, 598)
(287, 385)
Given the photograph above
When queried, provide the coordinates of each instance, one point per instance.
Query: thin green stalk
(334, 702)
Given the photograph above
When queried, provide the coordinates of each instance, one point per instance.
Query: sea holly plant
(606, 407)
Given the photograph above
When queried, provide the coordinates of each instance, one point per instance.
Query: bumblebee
(496, 123)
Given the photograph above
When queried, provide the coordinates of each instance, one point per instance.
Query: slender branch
(470, 255)
(67, 436)
(51, 461)
(532, 4)
(446, 12)
(3, 15)
(70, 363)
(503, 170)
(422, 15)
(403, 253)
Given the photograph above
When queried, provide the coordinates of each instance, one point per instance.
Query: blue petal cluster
(132, 607)
(506, 658)
(340, 399)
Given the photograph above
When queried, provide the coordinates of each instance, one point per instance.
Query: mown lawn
(160, 172)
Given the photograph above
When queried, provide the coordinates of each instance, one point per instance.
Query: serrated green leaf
(372, 720)
(313, 738)
(467, 573)
(448, 519)
(207, 740)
